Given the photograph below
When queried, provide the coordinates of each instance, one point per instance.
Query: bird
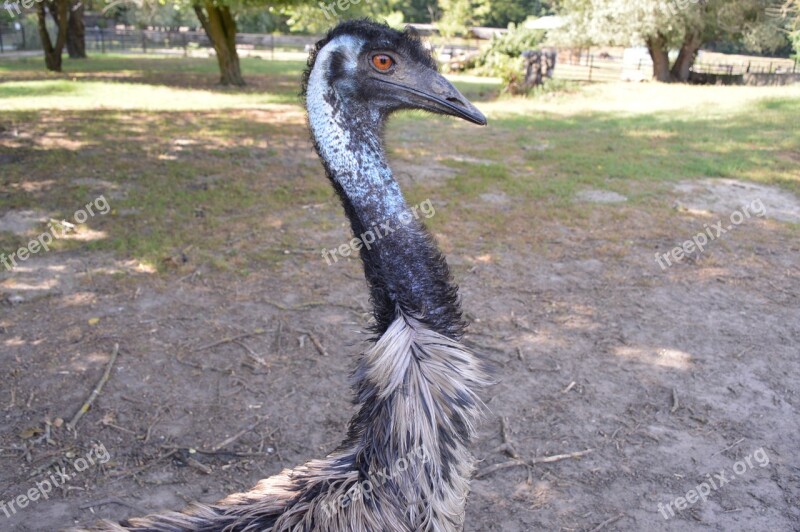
(404, 464)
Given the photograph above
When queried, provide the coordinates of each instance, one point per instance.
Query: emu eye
(382, 62)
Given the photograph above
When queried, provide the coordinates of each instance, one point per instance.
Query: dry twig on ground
(95, 392)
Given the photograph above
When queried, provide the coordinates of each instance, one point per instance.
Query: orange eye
(382, 62)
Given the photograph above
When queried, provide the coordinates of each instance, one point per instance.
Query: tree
(152, 13)
(419, 11)
(76, 31)
(59, 10)
(220, 27)
(317, 17)
(459, 15)
(790, 11)
(685, 25)
(501, 13)
(216, 17)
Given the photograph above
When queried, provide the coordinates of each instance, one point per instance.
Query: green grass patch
(229, 175)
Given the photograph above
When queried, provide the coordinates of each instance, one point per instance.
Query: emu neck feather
(404, 268)
(404, 465)
(349, 143)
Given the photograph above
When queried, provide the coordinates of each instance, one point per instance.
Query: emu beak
(429, 90)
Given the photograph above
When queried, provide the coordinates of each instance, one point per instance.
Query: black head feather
(377, 35)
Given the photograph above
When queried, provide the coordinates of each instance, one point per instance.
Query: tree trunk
(76, 32)
(221, 30)
(683, 65)
(659, 53)
(59, 9)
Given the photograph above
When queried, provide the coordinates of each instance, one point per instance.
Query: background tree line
(756, 26)
(672, 30)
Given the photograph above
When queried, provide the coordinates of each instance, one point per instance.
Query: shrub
(503, 57)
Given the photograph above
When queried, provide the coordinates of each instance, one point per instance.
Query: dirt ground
(664, 378)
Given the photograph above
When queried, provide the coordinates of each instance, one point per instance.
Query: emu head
(369, 69)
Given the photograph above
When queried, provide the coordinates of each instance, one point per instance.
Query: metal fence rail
(104, 40)
(16, 38)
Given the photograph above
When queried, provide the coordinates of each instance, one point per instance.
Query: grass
(228, 176)
(87, 95)
(143, 63)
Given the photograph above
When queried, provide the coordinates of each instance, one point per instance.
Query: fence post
(591, 65)
(102, 41)
(185, 46)
(22, 28)
(272, 45)
(1, 41)
(144, 42)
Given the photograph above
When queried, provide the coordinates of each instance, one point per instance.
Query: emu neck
(416, 386)
(403, 267)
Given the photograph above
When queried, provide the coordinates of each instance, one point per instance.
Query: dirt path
(669, 377)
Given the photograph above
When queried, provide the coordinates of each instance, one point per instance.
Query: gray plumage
(404, 464)
(413, 486)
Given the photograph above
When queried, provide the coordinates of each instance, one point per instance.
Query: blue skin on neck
(405, 270)
(348, 136)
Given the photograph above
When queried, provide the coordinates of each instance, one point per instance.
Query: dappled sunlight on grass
(36, 90)
(475, 88)
(55, 140)
(34, 186)
(17, 285)
(84, 95)
(192, 166)
(85, 234)
(688, 102)
(597, 146)
(152, 83)
(127, 64)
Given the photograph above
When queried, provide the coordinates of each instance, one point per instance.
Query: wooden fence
(606, 67)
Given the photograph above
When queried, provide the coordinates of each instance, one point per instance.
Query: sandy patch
(22, 222)
(724, 196)
(600, 196)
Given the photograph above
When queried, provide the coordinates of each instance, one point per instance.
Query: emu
(404, 465)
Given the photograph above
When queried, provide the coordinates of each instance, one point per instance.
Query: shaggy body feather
(404, 465)
(424, 383)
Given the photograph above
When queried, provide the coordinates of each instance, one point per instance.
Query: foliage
(686, 25)
(459, 15)
(262, 21)
(791, 12)
(310, 17)
(420, 11)
(144, 14)
(512, 43)
(503, 56)
(452, 16)
(631, 22)
(504, 12)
